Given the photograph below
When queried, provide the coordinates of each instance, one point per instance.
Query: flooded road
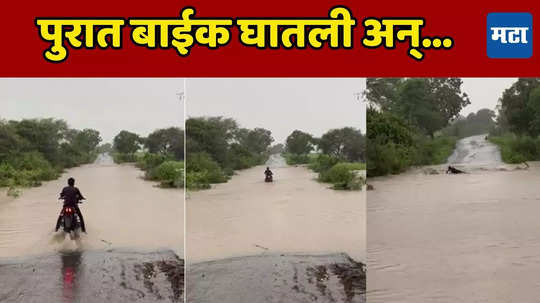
(267, 231)
(455, 238)
(122, 212)
(294, 214)
(476, 150)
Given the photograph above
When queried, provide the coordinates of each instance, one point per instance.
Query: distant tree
(255, 140)
(428, 103)
(42, 135)
(299, 143)
(127, 142)
(345, 143)
(105, 148)
(211, 135)
(87, 140)
(519, 107)
(166, 141)
(277, 148)
(481, 122)
(10, 143)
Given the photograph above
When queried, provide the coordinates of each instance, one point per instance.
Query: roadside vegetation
(160, 155)
(37, 150)
(338, 156)
(518, 122)
(218, 146)
(412, 121)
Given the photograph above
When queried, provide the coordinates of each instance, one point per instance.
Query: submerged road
(252, 236)
(456, 238)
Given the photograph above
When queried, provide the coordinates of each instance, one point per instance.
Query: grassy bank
(517, 149)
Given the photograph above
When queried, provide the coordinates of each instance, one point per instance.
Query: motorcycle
(70, 221)
(268, 178)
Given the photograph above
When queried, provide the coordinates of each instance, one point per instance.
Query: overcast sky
(108, 105)
(484, 92)
(281, 105)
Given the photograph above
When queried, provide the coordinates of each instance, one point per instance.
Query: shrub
(294, 159)
(517, 149)
(344, 175)
(434, 151)
(169, 173)
(203, 171)
(27, 169)
(322, 162)
(197, 180)
(120, 158)
(150, 160)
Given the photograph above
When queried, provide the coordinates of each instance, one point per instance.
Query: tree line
(518, 122)
(218, 146)
(337, 156)
(160, 154)
(36, 150)
(405, 117)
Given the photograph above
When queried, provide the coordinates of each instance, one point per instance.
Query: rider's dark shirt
(71, 195)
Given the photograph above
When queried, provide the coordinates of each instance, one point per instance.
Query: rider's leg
(58, 223)
(81, 218)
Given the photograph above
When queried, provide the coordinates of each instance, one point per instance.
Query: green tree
(277, 149)
(10, 143)
(518, 107)
(299, 143)
(481, 122)
(87, 140)
(211, 135)
(43, 135)
(256, 140)
(127, 142)
(345, 143)
(104, 148)
(390, 143)
(428, 103)
(167, 141)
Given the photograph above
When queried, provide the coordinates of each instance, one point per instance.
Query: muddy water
(294, 214)
(455, 238)
(122, 211)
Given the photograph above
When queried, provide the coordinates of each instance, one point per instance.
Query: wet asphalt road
(277, 278)
(94, 276)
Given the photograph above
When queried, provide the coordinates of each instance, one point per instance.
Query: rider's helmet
(71, 182)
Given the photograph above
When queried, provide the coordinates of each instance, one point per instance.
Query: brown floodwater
(122, 211)
(455, 238)
(294, 214)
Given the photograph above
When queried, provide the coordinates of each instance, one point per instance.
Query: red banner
(465, 22)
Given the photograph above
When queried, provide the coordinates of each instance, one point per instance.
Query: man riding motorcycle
(268, 174)
(71, 196)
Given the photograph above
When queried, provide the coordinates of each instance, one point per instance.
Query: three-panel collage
(255, 190)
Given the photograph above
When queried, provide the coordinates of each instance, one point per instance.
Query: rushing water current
(294, 214)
